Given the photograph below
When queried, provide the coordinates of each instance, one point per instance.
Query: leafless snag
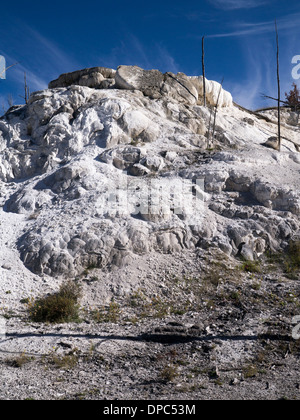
(7, 68)
(211, 135)
(278, 85)
(26, 90)
(203, 73)
(216, 108)
(10, 100)
(275, 99)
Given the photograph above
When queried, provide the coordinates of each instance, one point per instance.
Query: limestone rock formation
(109, 164)
(96, 77)
(135, 78)
(152, 83)
(215, 94)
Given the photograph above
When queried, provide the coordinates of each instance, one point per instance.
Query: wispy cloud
(39, 57)
(52, 53)
(258, 78)
(237, 4)
(239, 29)
(131, 51)
(165, 61)
(35, 81)
(246, 29)
(16, 75)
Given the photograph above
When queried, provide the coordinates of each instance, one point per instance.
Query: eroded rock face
(135, 78)
(103, 174)
(215, 94)
(73, 145)
(156, 85)
(96, 77)
(97, 218)
(152, 83)
(58, 124)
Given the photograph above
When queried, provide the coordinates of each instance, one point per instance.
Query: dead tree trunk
(26, 90)
(278, 85)
(211, 133)
(2, 74)
(26, 87)
(216, 109)
(203, 73)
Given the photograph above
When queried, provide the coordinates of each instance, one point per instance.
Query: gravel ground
(194, 333)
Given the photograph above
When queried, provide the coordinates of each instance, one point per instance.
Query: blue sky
(50, 38)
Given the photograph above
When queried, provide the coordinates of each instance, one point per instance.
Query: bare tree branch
(6, 68)
(26, 90)
(274, 99)
(203, 73)
(278, 84)
(210, 135)
(216, 108)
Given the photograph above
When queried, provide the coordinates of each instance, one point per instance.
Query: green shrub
(294, 253)
(251, 267)
(67, 361)
(58, 307)
(291, 260)
(168, 373)
(19, 361)
(250, 371)
(110, 314)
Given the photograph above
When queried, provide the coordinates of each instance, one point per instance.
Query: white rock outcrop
(215, 94)
(104, 171)
(156, 85)
(96, 77)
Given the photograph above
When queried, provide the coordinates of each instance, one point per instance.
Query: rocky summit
(118, 174)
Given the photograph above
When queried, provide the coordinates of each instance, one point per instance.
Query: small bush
(58, 307)
(291, 260)
(250, 371)
(168, 373)
(68, 361)
(19, 361)
(293, 97)
(294, 253)
(110, 314)
(251, 267)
